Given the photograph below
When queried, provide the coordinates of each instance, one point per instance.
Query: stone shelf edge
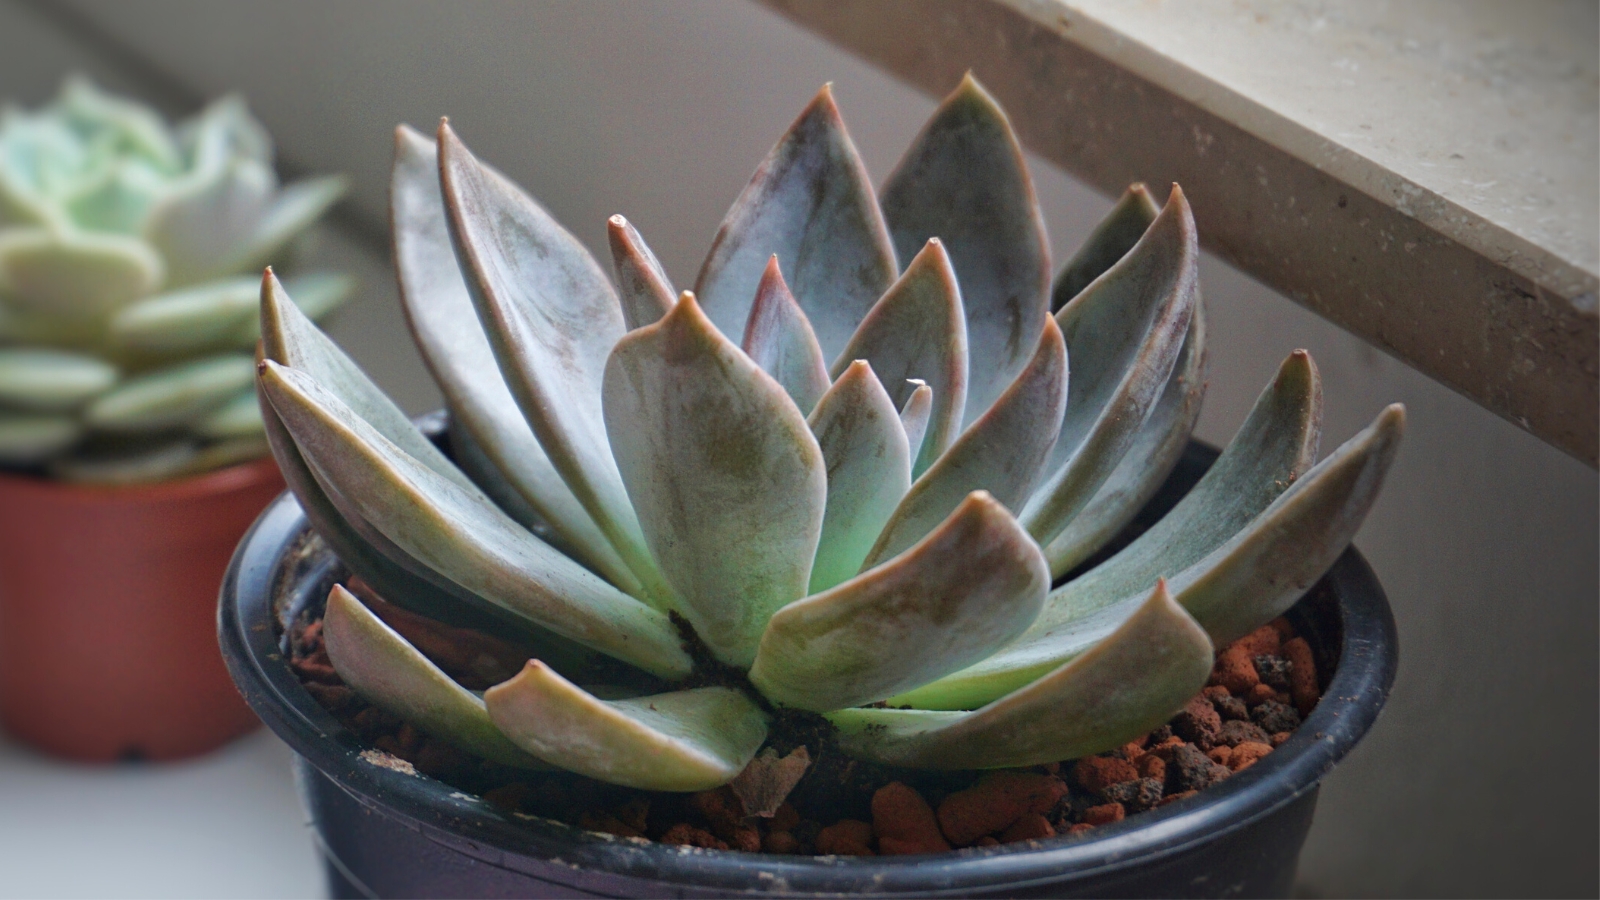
(1504, 321)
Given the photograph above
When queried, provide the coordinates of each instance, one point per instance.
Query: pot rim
(1351, 702)
(216, 481)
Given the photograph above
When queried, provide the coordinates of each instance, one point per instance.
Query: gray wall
(1481, 777)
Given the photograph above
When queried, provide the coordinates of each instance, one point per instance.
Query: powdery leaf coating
(464, 537)
(1274, 447)
(810, 202)
(1107, 244)
(1129, 683)
(172, 396)
(869, 469)
(964, 181)
(102, 205)
(380, 665)
(289, 338)
(392, 572)
(1263, 569)
(1000, 453)
(915, 414)
(779, 339)
(971, 586)
(690, 740)
(445, 325)
(728, 481)
(51, 380)
(916, 334)
(646, 292)
(75, 276)
(552, 317)
(1124, 333)
(707, 490)
(1149, 460)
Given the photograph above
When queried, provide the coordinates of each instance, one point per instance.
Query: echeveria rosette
(852, 462)
(127, 288)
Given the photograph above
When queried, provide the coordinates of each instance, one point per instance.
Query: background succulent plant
(848, 466)
(125, 327)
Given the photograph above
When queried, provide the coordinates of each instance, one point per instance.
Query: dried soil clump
(1260, 689)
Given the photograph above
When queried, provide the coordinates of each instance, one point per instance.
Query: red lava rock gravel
(903, 822)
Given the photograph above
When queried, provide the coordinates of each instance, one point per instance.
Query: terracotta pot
(108, 597)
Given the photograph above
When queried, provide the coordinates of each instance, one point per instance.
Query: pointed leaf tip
(1109, 242)
(1149, 460)
(868, 461)
(916, 334)
(1264, 568)
(778, 337)
(461, 535)
(1002, 452)
(552, 318)
(645, 290)
(810, 202)
(726, 477)
(440, 313)
(1270, 452)
(1125, 332)
(964, 179)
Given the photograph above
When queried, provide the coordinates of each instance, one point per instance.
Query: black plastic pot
(389, 833)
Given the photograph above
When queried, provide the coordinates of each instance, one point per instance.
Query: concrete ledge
(1491, 290)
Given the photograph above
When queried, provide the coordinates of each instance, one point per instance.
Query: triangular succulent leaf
(868, 463)
(388, 672)
(291, 339)
(1130, 682)
(811, 203)
(1124, 332)
(366, 552)
(1151, 457)
(915, 413)
(1001, 452)
(691, 740)
(1276, 444)
(551, 317)
(462, 535)
(916, 334)
(964, 181)
(645, 291)
(727, 479)
(967, 589)
(1110, 241)
(445, 325)
(1259, 573)
(779, 338)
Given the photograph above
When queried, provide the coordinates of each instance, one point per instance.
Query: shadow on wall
(1484, 537)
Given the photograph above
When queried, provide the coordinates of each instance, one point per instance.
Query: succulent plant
(840, 476)
(126, 328)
